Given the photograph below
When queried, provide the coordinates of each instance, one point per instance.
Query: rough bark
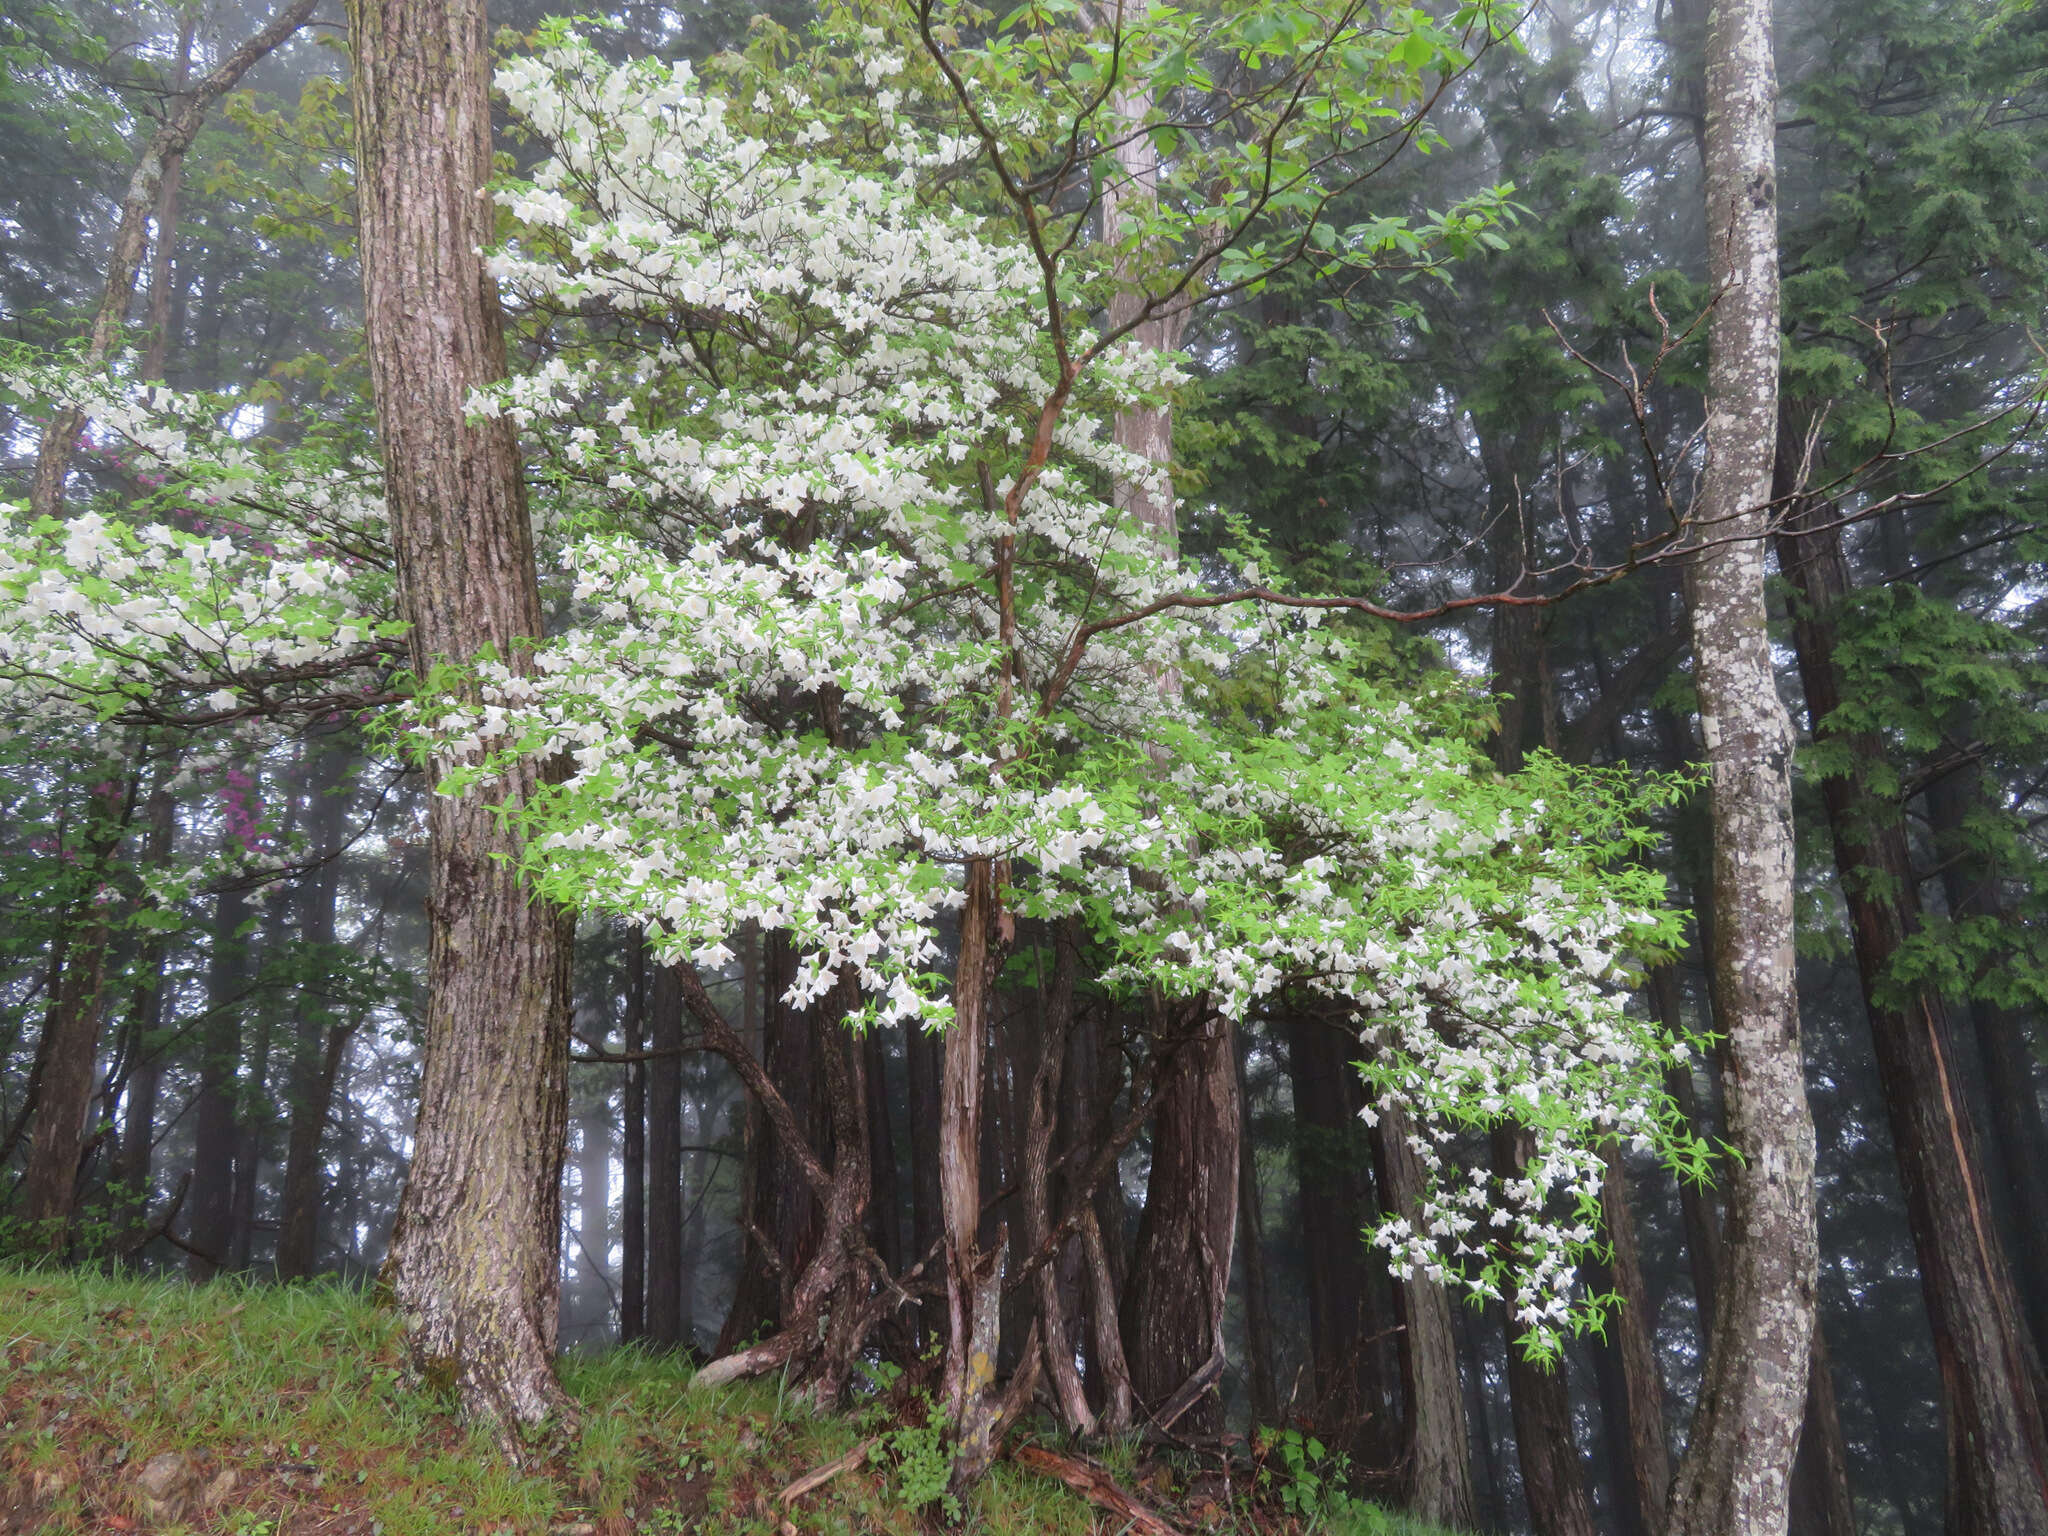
(1553, 1479)
(1992, 1387)
(475, 1253)
(139, 202)
(1738, 1459)
(1436, 1481)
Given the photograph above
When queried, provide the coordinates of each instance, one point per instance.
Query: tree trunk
(1752, 1399)
(1335, 1205)
(594, 1203)
(1173, 1303)
(2011, 1064)
(633, 1148)
(475, 1253)
(1553, 1479)
(209, 1207)
(885, 1217)
(137, 1146)
(1821, 1505)
(974, 1275)
(1631, 1386)
(321, 1038)
(67, 1056)
(662, 1322)
(1251, 1242)
(1436, 1455)
(1992, 1388)
(922, 1053)
(779, 1214)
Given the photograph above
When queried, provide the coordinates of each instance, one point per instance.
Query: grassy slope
(287, 1406)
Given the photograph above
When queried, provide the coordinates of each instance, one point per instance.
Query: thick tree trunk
(1553, 1478)
(1436, 1456)
(1738, 1458)
(1042, 1119)
(633, 1148)
(885, 1219)
(662, 1322)
(209, 1207)
(1992, 1387)
(475, 1253)
(2011, 1063)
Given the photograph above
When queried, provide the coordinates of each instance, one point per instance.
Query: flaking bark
(1738, 1460)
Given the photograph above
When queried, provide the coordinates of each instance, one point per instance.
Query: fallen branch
(810, 1482)
(1095, 1485)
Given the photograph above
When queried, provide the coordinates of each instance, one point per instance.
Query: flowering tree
(855, 643)
(859, 640)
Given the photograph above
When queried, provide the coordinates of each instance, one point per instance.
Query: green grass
(290, 1406)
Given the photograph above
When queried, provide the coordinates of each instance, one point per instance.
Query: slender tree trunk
(633, 1149)
(974, 1274)
(1992, 1388)
(2012, 1068)
(1821, 1505)
(1631, 1386)
(663, 1320)
(1553, 1478)
(594, 1203)
(922, 1055)
(209, 1206)
(475, 1257)
(1251, 1242)
(136, 1150)
(321, 1037)
(1752, 1399)
(1437, 1458)
(1042, 1122)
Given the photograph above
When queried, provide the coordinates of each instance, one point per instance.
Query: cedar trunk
(475, 1253)
(633, 1148)
(210, 1205)
(1991, 1381)
(1745, 1429)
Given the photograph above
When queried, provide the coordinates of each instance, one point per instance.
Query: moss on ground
(136, 1405)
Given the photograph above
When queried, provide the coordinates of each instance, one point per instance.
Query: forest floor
(132, 1405)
